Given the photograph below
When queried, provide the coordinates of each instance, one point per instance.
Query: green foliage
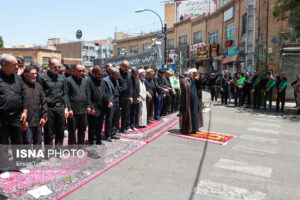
(1, 42)
(288, 10)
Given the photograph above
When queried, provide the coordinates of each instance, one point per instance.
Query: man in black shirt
(223, 82)
(98, 99)
(125, 96)
(161, 90)
(150, 86)
(37, 108)
(166, 108)
(136, 99)
(13, 108)
(107, 72)
(54, 86)
(113, 112)
(68, 70)
(79, 105)
(247, 89)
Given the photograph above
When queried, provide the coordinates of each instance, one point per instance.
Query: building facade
(38, 55)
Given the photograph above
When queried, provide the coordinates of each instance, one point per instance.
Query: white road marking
(259, 130)
(266, 124)
(269, 120)
(227, 192)
(244, 167)
(259, 139)
(249, 150)
(268, 116)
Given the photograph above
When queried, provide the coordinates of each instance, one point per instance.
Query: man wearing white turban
(142, 116)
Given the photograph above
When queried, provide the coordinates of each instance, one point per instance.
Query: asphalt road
(260, 163)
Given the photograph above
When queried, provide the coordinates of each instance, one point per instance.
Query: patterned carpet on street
(215, 138)
(47, 182)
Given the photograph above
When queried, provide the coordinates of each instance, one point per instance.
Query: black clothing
(150, 87)
(166, 108)
(55, 125)
(77, 93)
(12, 94)
(55, 88)
(12, 102)
(247, 90)
(223, 82)
(112, 114)
(78, 122)
(257, 93)
(159, 84)
(135, 89)
(125, 85)
(280, 95)
(37, 105)
(97, 95)
(212, 84)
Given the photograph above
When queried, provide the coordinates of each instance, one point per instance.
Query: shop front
(234, 62)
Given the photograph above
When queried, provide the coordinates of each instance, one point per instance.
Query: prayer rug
(215, 138)
(57, 182)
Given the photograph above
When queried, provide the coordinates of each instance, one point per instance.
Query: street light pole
(163, 28)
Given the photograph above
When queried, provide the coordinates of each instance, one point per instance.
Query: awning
(291, 50)
(236, 58)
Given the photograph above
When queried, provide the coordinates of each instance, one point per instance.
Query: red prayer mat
(215, 138)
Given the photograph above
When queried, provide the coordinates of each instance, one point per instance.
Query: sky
(32, 22)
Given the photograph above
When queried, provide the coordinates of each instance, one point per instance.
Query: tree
(1, 42)
(288, 10)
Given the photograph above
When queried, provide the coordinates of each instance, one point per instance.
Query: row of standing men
(33, 101)
(257, 90)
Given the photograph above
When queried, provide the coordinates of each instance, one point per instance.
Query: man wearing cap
(37, 108)
(142, 116)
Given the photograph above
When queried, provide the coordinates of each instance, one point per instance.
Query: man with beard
(151, 96)
(176, 91)
(196, 100)
(125, 95)
(37, 109)
(107, 72)
(68, 70)
(142, 116)
(113, 112)
(55, 89)
(98, 98)
(13, 110)
(79, 106)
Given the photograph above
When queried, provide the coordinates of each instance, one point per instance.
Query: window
(146, 46)
(134, 49)
(46, 60)
(213, 37)
(198, 37)
(85, 47)
(223, 2)
(171, 44)
(230, 32)
(27, 59)
(121, 51)
(92, 58)
(244, 23)
(92, 48)
(183, 40)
